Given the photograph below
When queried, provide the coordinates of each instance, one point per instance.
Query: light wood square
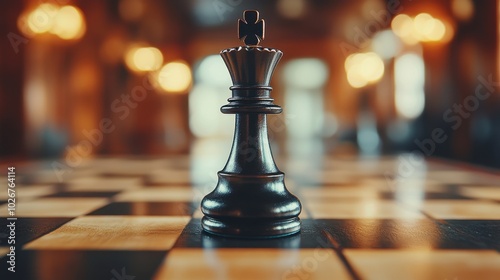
(161, 194)
(252, 264)
(55, 207)
(114, 233)
(361, 209)
(425, 264)
(462, 209)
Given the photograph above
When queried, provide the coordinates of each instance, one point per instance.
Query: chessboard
(398, 217)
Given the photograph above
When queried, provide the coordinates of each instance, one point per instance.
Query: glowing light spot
(427, 28)
(409, 72)
(355, 79)
(41, 19)
(386, 44)
(438, 31)
(207, 96)
(175, 77)
(372, 67)
(353, 60)
(402, 25)
(363, 69)
(304, 79)
(423, 28)
(423, 25)
(424, 22)
(204, 119)
(142, 59)
(66, 22)
(69, 23)
(213, 71)
(309, 73)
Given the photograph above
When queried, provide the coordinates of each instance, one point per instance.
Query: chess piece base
(247, 228)
(255, 206)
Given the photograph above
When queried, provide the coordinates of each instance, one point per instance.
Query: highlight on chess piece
(251, 199)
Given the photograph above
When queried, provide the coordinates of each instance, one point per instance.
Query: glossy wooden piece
(251, 199)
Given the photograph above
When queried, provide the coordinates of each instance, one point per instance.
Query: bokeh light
(175, 77)
(423, 25)
(386, 44)
(422, 28)
(363, 69)
(428, 29)
(67, 22)
(143, 59)
(409, 79)
(41, 19)
(212, 71)
(305, 73)
(206, 97)
(304, 81)
(402, 25)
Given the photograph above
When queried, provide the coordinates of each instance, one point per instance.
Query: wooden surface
(116, 217)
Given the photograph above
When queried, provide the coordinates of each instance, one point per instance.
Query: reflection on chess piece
(250, 199)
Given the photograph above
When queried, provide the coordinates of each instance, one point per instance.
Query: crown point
(251, 29)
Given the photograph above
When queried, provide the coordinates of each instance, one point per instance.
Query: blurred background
(144, 77)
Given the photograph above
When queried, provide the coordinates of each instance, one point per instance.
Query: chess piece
(250, 199)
